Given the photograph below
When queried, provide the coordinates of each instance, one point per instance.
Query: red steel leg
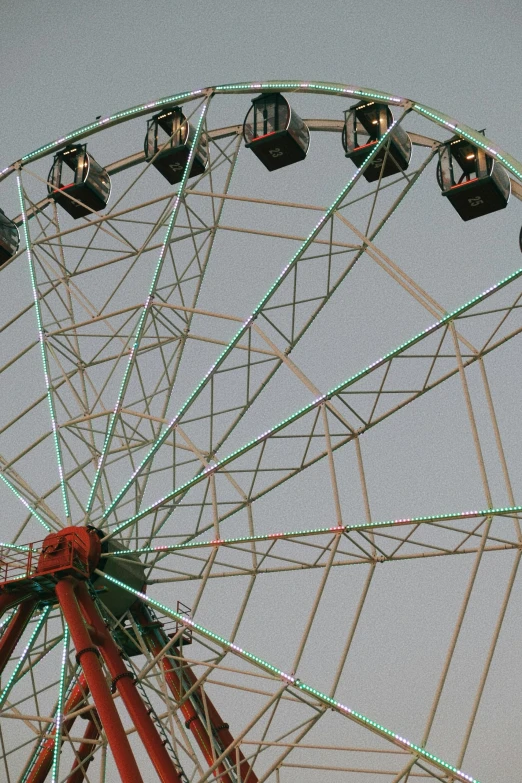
(7, 600)
(123, 680)
(88, 659)
(44, 761)
(155, 639)
(197, 728)
(14, 630)
(222, 730)
(77, 774)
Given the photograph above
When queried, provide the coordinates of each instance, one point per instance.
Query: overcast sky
(63, 63)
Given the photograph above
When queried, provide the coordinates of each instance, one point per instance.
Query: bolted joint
(120, 677)
(189, 721)
(86, 650)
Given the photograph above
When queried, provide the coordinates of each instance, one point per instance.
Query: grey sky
(63, 63)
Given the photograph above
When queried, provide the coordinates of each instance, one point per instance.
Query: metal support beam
(14, 630)
(87, 655)
(123, 681)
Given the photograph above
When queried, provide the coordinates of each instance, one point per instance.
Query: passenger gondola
(77, 182)
(168, 143)
(471, 180)
(9, 238)
(274, 132)
(364, 125)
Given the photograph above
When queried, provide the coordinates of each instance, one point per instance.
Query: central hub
(72, 551)
(76, 552)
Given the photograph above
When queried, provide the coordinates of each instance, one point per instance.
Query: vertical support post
(123, 680)
(14, 630)
(87, 656)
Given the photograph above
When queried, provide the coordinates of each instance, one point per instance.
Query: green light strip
(317, 402)
(19, 547)
(317, 531)
(477, 138)
(48, 737)
(146, 307)
(59, 710)
(23, 657)
(5, 620)
(25, 502)
(247, 324)
(295, 682)
(41, 337)
(136, 111)
(86, 130)
(296, 86)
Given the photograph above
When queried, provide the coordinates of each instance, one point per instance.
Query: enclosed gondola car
(9, 238)
(274, 132)
(471, 180)
(77, 182)
(364, 125)
(168, 143)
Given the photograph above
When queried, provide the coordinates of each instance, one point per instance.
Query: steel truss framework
(145, 423)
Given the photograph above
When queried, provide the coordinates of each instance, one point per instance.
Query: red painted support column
(171, 677)
(43, 763)
(14, 630)
(222, 730)
(7, 600)
(123, 680)
(77, 774)
(155, 639)
(88, 658)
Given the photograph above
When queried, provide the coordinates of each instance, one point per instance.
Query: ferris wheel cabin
(77, 182)
(274, 132)
(168, 143)
(364, 125)
(9, 238)
(471, 180)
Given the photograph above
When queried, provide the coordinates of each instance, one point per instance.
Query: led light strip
(85, 130)
(24, 501)
(147, 306)
(297, 86)
(49, 735)
(338, 89)
(43, 350)
(27, 649)
(295, 682)
(59, 711)
(317, 531)
(18, 547)
(314, 404)
(5, 620)
(468, 133)
(247, 324)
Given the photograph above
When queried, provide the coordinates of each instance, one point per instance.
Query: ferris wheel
(258, 455)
